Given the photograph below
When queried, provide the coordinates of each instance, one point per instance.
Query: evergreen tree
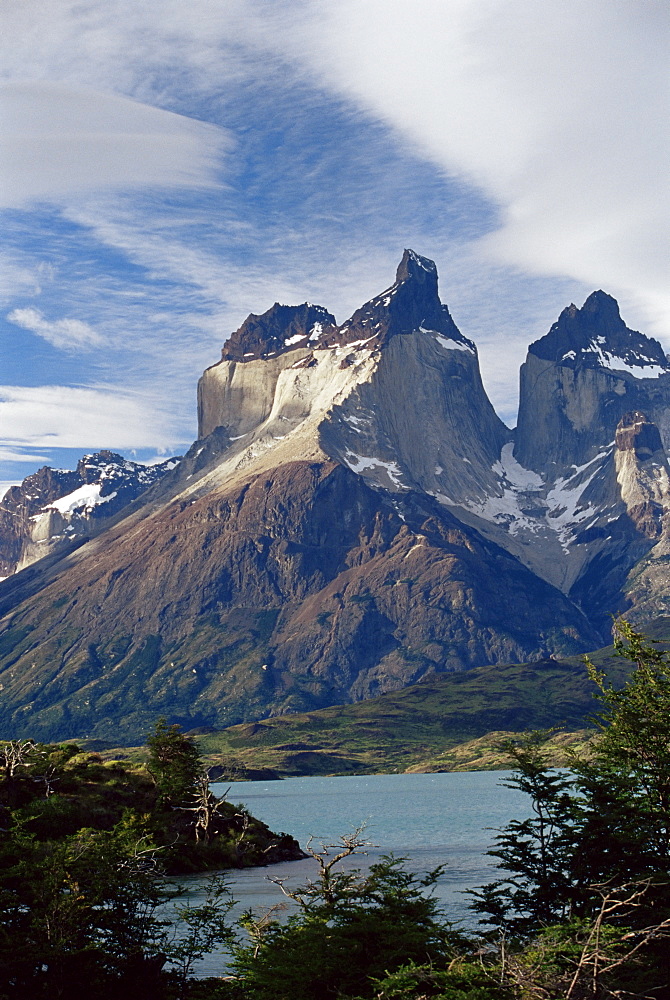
(595, 855)
(174, 761)
(350, 929)
(536, 851)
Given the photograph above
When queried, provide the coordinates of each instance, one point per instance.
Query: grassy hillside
(449, 722)
(437, 724)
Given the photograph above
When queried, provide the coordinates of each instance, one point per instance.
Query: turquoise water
(430, 819)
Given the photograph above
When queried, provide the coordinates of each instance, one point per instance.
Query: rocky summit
(353, 518)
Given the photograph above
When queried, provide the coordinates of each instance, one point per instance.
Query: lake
(430, 819)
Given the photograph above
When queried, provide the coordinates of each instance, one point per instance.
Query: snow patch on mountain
(447, 342)
(518, 493)
(638, 365)
(528, 504)
(565, 510)
(512, 472)
(84, 499)
(363, 463)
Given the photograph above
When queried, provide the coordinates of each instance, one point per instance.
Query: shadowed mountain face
(353, 518)
(581, 379)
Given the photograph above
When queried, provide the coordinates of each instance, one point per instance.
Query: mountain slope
(575, 501)
(442, 723)
(265, 600)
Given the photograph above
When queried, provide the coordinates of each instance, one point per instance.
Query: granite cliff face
(580, 379)
(354, 517)
(566, 502)
(395, 394)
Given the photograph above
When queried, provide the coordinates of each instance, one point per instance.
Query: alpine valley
(354, 518)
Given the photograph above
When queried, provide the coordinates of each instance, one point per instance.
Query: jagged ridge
(53, 506)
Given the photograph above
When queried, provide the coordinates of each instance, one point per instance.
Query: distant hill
(449, 722)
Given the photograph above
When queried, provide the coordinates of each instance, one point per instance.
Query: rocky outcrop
(280, 329)
(53, 508)
(644, 478)
(572, 501)
(643, 474)
(580, 379)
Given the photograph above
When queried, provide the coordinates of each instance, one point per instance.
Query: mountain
(353, 518)
(580, 379)
(54, 508)
(395, 394)
(582, 493)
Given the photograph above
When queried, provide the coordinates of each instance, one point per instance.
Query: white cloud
(57, 141)
(18, 279)
(555, 110)
(8, 455)
(53, 416)
(66, 334)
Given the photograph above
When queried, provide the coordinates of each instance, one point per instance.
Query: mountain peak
(416, 267)
(596, 336)
(411, 304)
(279, 329)
(600, 303)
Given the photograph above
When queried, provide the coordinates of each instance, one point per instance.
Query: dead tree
(15, 754)
(206, 808)
(329, 886)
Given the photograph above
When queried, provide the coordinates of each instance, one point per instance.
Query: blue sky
(167, 168)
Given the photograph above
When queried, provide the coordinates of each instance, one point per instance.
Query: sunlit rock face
(352, 518)
(395, 393)
(580, 379)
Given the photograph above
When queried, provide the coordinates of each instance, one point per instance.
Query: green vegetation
(434, 725)
(350, 930)
(54, 791)
(588, 874)
(456, 721)
(84, 849)
(581, 909)
(174, 762)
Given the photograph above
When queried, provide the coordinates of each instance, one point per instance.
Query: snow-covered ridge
(56, 506)
(630, 358)
(84, 499)
(638, 365)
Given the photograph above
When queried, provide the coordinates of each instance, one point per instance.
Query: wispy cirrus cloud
(66, 334)
(556, 113)
(197, 162)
